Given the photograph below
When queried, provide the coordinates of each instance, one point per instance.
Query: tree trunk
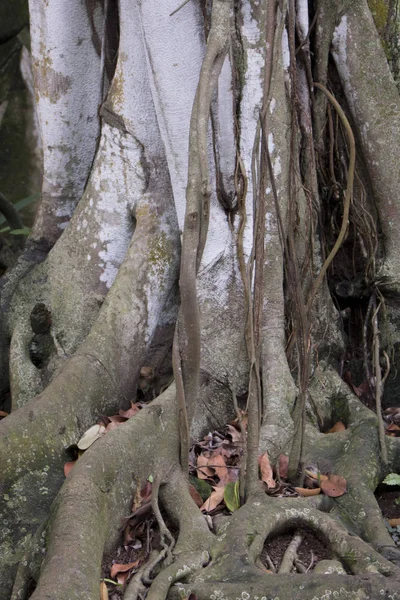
(209, 213)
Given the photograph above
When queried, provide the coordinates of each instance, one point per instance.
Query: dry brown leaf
(122, 578)
(195, 495)
(283, 465)
(339, 426)
(103, 591)
(117, 419)
(266, 470)
(216, 497)
(68, 466)
(3, 413)
(334, 486)
(217, 462)
(307, 492)
(90, 436)
(394, 522)
(131, 412)
(234, 433)
(121, 568)
(203, 472)
(392, 427)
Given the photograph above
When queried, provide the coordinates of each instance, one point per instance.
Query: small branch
(378, 384)
(348, 194)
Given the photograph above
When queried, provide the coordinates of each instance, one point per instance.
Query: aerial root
(143, 577)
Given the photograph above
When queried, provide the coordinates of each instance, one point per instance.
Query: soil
(311, 550)
(386, 501)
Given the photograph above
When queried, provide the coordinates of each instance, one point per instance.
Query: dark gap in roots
(313, 548)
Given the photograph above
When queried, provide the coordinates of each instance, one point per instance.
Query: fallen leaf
(266, 470)
(195, 495)
(234, 433)
(3, 413)
(122, 578)
(215, 498)
(307, 492)
(392, 427)
(90, 436)
(121, 568)
(203, 472)
(68, 466)
(103, 591)
(217, 462)
(339, 426)
(334, 486)
(394, 522)
(117, 419)
(131, 412)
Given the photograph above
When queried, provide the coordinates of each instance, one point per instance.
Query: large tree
(220, 198)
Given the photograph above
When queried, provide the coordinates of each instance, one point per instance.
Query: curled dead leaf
(216, 497)
(394, 522)
(117, 568)
(305, 492)
(334, 486)
(266, 470)
(131, 412)
(203, 471)
(90, 436)
(217, 462)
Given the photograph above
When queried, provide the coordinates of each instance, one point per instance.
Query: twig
(142, 578)
(348, 194)
(378, 384)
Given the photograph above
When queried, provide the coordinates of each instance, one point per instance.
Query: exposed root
(290, 555)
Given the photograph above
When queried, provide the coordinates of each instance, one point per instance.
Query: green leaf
(150, 479)
(5, 229)
(22, 204)
(25, 231)
(392, 479)
(231, 495)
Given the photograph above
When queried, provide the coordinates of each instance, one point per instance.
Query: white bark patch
(251, 105)
(285, 50)
(302, 16)
(66, 70)
(130, 94)
(118, 188)
(175, 50)
(225, 134)
(339, 49)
